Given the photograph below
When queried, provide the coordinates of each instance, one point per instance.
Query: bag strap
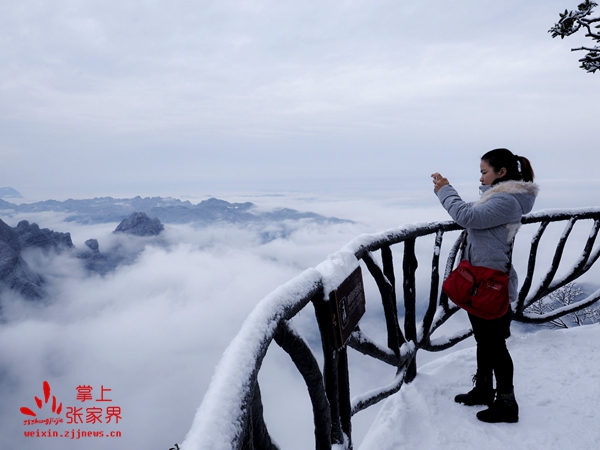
(510, 253)
(463, 243)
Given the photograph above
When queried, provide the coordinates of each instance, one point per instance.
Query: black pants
(492, 354)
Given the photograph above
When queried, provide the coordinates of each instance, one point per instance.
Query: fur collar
(509, 187)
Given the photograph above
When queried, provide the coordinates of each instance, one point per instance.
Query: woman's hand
(439, 181)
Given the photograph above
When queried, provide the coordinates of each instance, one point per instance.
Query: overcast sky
(190, 97)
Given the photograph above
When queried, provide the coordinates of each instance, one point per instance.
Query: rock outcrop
(31, 235)
(139, 224)
(15, 273)
(98, 262)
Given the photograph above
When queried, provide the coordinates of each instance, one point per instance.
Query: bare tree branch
(561, 303)
(571, 22)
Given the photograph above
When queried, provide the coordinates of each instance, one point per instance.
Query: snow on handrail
(219, 420)
(230, 416)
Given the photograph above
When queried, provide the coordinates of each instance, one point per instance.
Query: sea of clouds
(153, 330)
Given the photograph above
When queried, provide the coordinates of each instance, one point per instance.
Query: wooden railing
(231, 414)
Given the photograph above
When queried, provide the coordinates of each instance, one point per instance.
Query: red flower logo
(38, 402)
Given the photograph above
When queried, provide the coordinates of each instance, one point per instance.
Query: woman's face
(488, 175)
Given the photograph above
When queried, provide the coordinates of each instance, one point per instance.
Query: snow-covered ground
(557, 385)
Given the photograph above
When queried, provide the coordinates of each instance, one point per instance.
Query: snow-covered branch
(571, 22)
(547, 313)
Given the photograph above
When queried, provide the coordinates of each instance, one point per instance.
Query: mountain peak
(8, 192)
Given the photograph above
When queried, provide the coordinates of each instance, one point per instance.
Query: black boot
(481, 394)
(504, 409)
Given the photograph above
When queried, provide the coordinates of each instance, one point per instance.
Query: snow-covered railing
(231, 414)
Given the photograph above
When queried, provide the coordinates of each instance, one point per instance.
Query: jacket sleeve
(497, 210)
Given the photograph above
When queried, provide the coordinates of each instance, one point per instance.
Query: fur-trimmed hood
(525, 192)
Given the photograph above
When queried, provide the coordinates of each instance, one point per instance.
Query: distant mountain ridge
(167, 210)
(8, 192)
(137, 217)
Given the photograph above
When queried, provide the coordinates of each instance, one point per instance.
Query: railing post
(388, 270)
(255, 435)
(331, 377)
(395, 338)
(409, 267)
(293, 344)
(344, 395)
(434, 286)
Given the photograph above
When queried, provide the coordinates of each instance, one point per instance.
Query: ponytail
(517, 167)
(525, 168)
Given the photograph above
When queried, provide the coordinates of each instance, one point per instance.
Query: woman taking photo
(507, 192)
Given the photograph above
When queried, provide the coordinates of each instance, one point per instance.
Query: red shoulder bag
(479, 290)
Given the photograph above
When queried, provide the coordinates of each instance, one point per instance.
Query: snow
(218, 419)
(336, 268)
(557, 386)
(393, 386)
(443, 340)
(555, 377)
(558, 212)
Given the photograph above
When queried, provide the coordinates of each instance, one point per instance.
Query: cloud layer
(210, 95)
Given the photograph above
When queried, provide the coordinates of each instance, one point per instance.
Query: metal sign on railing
(346, 306)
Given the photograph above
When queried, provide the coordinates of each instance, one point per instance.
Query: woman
(507, 192)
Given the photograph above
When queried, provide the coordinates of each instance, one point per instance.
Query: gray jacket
(491, 222)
